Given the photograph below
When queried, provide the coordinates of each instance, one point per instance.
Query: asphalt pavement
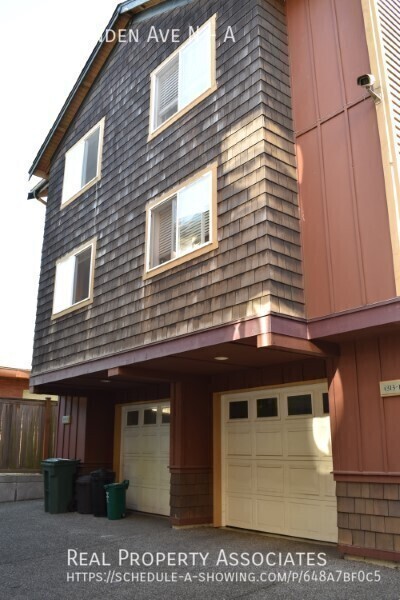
(48, 557)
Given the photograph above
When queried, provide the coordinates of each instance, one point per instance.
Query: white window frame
(211, 244)
(85, 301)
(67, 200)
(154, 129)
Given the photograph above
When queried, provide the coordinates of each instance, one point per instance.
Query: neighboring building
(13, 382)
(221, 252)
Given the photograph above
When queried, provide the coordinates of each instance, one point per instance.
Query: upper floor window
(73, 286)
(182, 224)
(83, 164)
(184, 79)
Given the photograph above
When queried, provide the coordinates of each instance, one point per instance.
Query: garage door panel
(305, 519)
(239, 511)
(330, 522)
(322, 436)
(164, 443)
(132, 443)
(150, 472)
(239, 442)
(270, 479)
(300, 442)
(151, 442)
(132, 475)
(303, 479)
(239, 477)
(164, 498)
(150, 500)
(327, 481)
(268, 443)
(132, 499)
(164, 473)
(270, 515)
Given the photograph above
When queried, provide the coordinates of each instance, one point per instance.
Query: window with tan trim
(73, 287)
(184, 78)
(182, 224)
(83, 164)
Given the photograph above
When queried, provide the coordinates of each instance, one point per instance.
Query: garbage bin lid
(123, 485)
(102, 474)
(53, 461)
(83, 479)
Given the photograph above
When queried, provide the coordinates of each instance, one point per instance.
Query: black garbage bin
(84, 495)
(98, 479)
(59, 478)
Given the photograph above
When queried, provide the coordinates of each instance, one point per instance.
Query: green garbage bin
(59, 482)
(115, 495)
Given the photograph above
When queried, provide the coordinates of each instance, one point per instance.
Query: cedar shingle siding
(245, 125)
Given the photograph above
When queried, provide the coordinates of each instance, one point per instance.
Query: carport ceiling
(200, 362)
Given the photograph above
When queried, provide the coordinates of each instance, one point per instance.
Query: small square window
(325, 403)
(267, 407)
(299, 405)
(73, 280)
(150, 416)
(238, 409)
(165, 415)
(82, 163)
(132, 417)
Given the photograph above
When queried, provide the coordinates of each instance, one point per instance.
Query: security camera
(367, 81)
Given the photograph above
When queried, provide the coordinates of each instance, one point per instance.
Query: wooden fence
(27, 433)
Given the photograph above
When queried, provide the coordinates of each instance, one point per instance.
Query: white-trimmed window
(73, 286)
(83, 164)
(182, 223)
(184, 78)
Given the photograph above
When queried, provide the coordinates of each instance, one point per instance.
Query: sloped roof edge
(119, 20)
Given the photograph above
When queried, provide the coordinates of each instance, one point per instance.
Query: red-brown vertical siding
(346, 242)
(365, 426)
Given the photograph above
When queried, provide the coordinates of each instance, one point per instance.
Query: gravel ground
(35, 548)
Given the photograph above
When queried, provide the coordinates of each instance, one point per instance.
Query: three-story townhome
(218, 304)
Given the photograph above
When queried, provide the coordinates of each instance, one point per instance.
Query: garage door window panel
(299, 405)
(267, 408)
(150, 416)
(132, 418)
(239, 410)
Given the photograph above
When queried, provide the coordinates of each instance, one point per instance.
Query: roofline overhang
(288, 333)
(119, 20)
(39, 191)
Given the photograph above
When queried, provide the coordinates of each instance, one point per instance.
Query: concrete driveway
(46, 556)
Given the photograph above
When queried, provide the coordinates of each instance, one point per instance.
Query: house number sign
(390, 388)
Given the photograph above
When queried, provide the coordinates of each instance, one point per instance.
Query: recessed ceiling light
(105, 381)
(221, 358)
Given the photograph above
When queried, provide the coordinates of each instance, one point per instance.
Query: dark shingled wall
(245, 125)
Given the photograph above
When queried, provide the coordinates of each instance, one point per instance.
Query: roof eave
(119, 20)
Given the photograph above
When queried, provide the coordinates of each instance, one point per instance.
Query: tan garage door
(277, 462)
(145, 456)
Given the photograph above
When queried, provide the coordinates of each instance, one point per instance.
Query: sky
(43, 46)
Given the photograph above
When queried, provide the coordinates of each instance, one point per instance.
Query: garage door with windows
(277, 462)
(145, 456)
